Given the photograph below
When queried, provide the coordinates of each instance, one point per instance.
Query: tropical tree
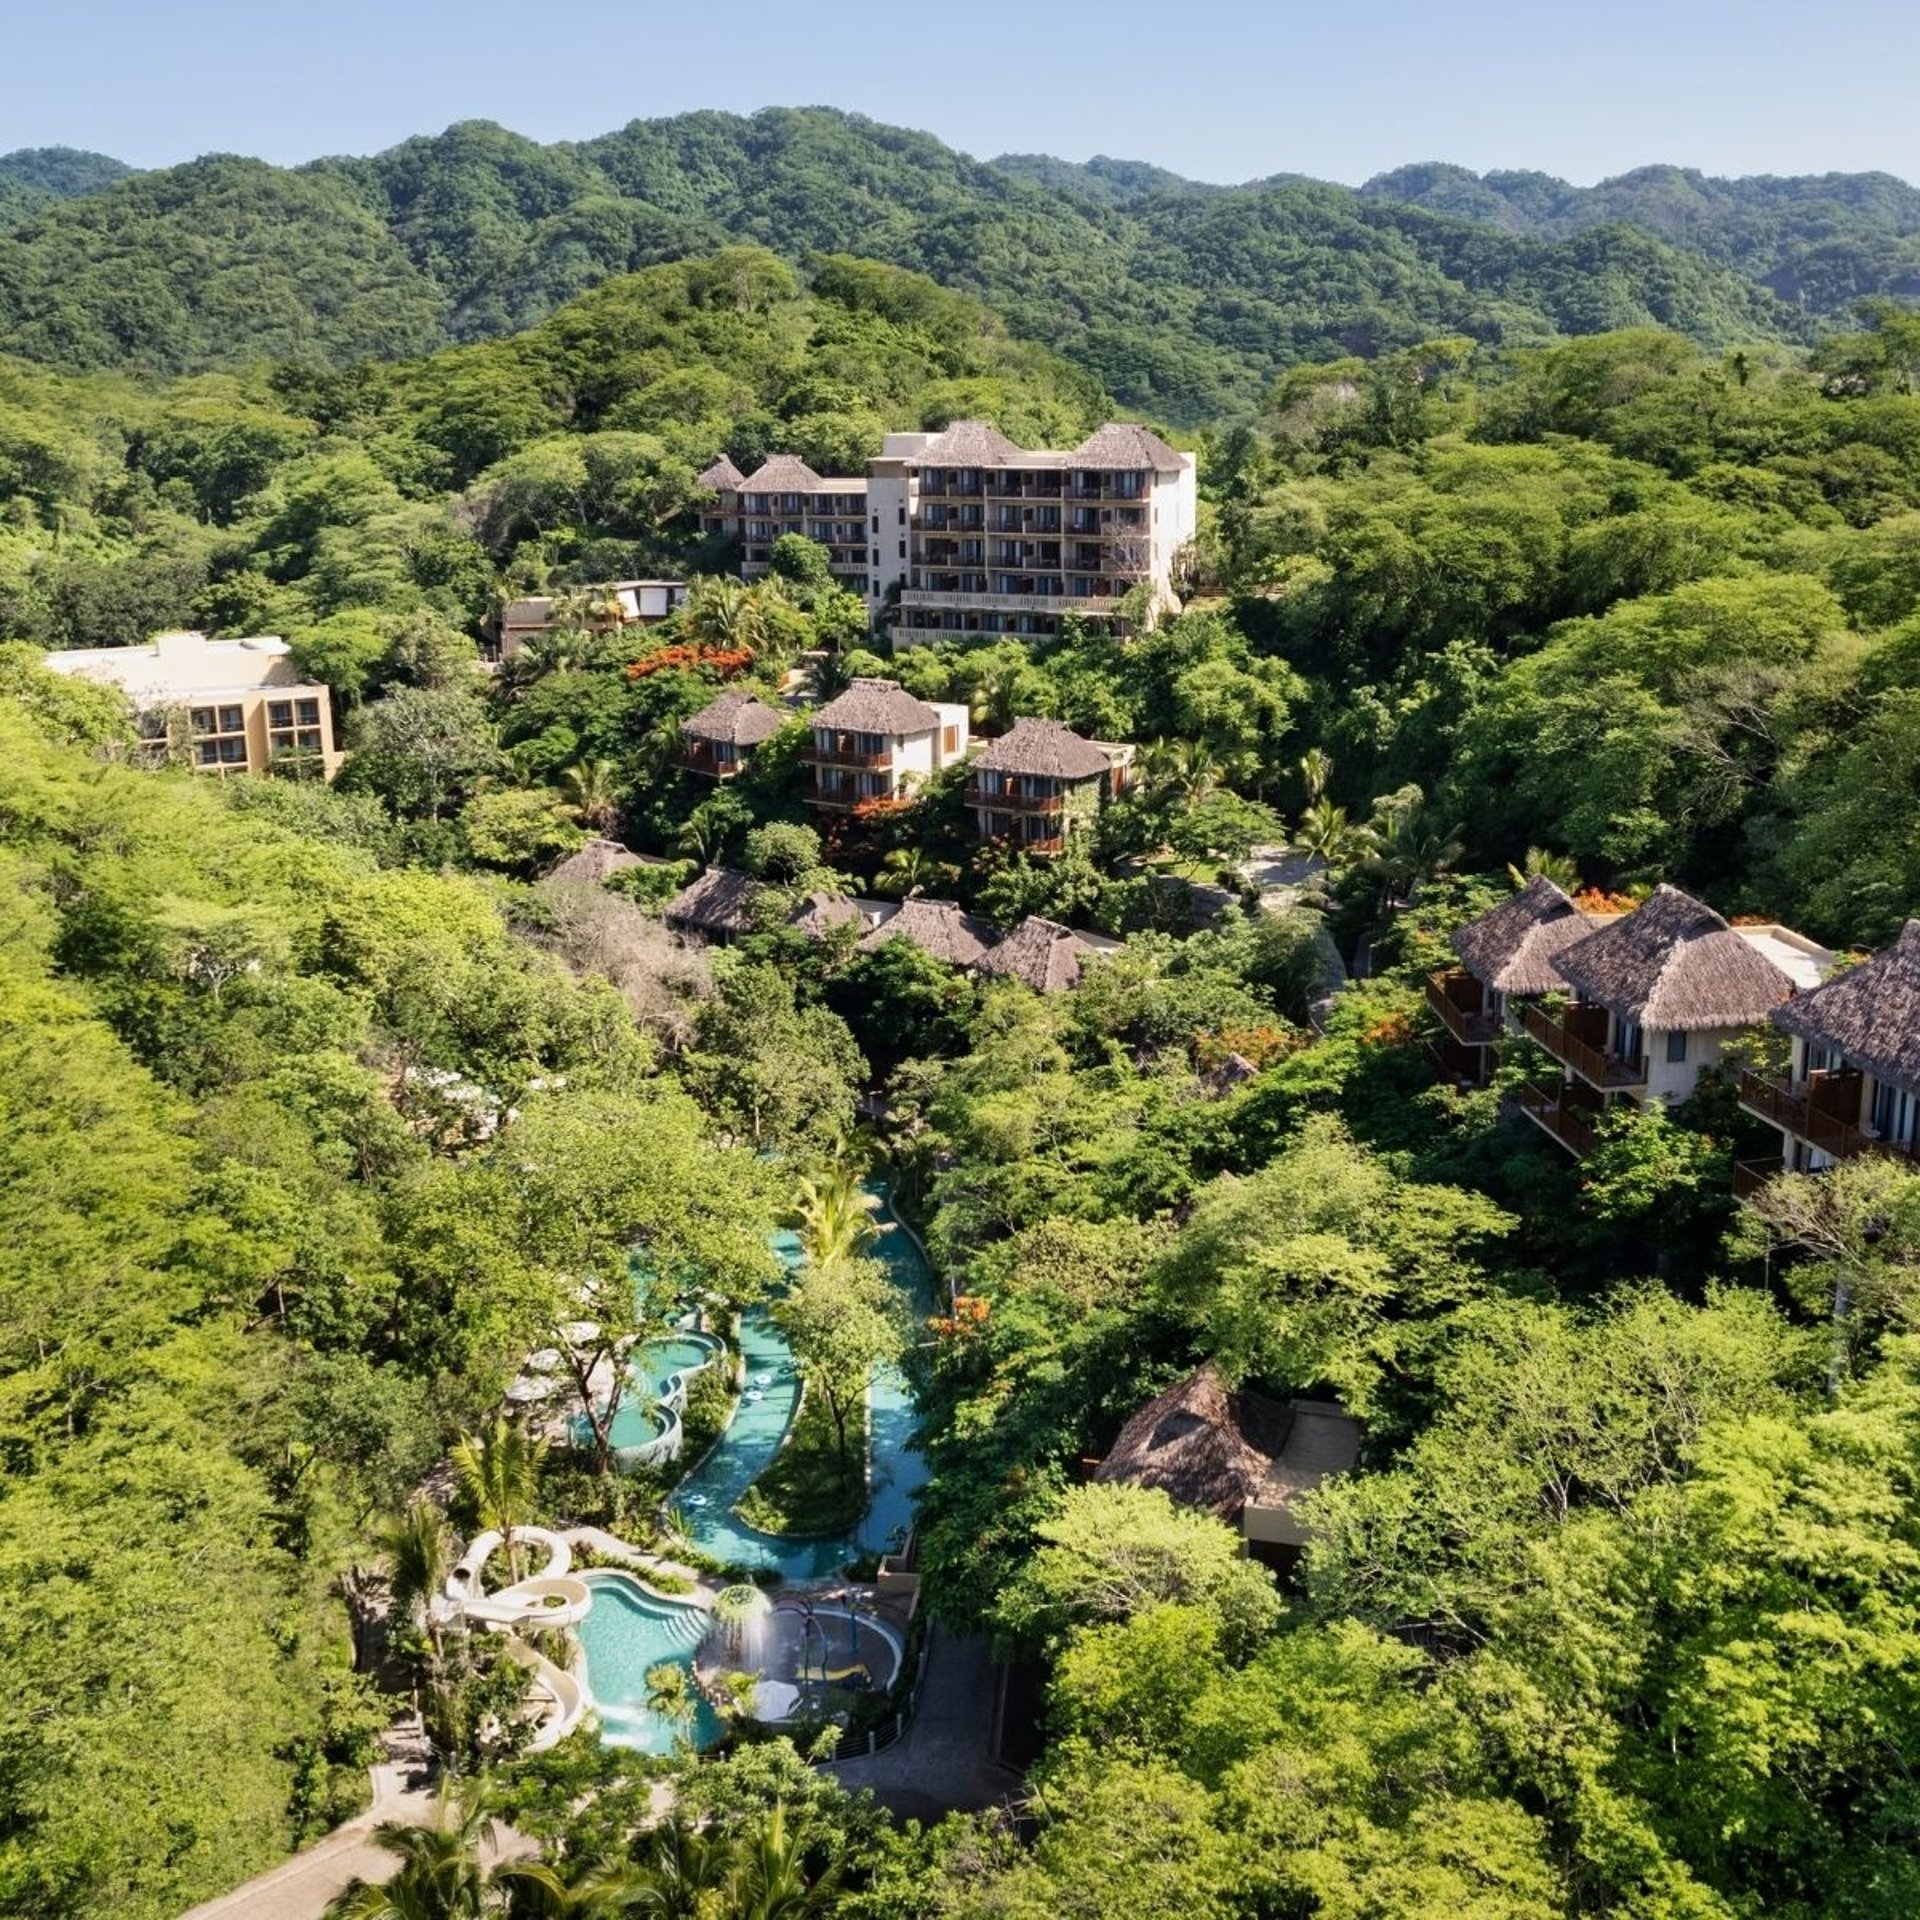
(833, 1215)
(498, 1475)
(440, 1875)
(1561, 868)
(593, 792)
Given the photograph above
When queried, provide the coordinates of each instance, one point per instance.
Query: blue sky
(1215, 91)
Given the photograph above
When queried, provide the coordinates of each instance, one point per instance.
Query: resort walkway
(303, 1887)
(944, 1762)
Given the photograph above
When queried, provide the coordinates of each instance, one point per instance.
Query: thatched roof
(1512, 949)
(593, 863)
(717, 902)
(1201, 1444)
(739, 717)
(938, 927)
(820, 912)
(972, 443)
(722, 477)
(1870, 1013)
(783, 473)
(1044, 747)
(877, 706)
(1674, 965)
(1122, 444)
(1041, 953)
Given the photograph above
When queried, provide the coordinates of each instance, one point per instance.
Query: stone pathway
(303, 1887)
(944, 1762)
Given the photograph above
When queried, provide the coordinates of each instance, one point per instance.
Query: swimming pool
(646, 1428)
(627, 1632)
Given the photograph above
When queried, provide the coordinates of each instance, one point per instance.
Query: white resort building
(876, 742)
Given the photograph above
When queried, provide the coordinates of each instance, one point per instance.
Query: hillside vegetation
(1181, 303)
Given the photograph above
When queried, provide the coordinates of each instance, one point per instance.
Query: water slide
(550, 1598)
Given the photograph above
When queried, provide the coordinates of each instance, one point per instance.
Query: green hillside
(1185, 304)
(1820, 242)
(34, 177)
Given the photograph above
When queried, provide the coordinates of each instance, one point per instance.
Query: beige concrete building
(604, 608)
(785, 495)
(235, 706)
(876, 742)
(1659, 995)
(976, 536)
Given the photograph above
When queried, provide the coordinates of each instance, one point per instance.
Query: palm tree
(1407, 848)
(685, 1868)
(440, 1876)
(1560, 868)
(593, 791)
(499, 1478)
(1326, 833)
(419, 1549)
(671, 1694)
(1316, 771)
(723, 613)
(833, 1216)
(910, 870)
(770, 1882)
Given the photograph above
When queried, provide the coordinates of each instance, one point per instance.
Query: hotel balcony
(998, 801)
(702, 757)
(1457, 1064)
(1821, 1111)
(1458, 998)
(841, 754)
(1749, 1176)
(1578, 1040)
(1568, 1122)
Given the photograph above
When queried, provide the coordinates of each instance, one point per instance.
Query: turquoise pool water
(626, 1632)
(650, 1373)
(706, 1497)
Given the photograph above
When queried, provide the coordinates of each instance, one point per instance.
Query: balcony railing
(814, 754)
(1749, 1176)
(700, 756)
(1799, 1110)
(997, 801)
(1569, 1125)
(1458, 998)
(1593, 1064)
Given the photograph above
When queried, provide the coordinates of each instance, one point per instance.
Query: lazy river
(707, 1496)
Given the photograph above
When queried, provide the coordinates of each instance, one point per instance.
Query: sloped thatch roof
(736, 716)
(1044, 747)
(1674, 965)
(1122, 444)
(819, 912)
(593, 863)
(1201, 1444)
(782, 473)
(972, 443)
(1512, 949)
(1871, 1013)
(717, 902)
(877, 706)
(938, 927)
(1042, 953)
(722, 477)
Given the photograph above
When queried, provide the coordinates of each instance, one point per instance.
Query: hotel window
(1676, 1048)
(233, 720)
(307, 712)
(204, 720)
(207, 753)
(279, 713)
(233, 753)
(950, 740)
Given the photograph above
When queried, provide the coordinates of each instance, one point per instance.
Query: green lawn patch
(808, 1488)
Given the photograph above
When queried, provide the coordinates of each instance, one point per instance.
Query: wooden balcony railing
(1458, 998)
(995, 800)
(700, 756)
(1749, 1176)
(1570, 1126)
(1802, 1111)
(1593, 1064)
(839, 755)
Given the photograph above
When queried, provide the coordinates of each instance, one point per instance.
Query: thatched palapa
(1870, 1013)
(736, 718)
(593, 863)
(720, 901)
(877, 706)
(1201, 1444)
(1673, 965)
(1044, 749)
(1513, 949)
(938, 927)
(1040, 953)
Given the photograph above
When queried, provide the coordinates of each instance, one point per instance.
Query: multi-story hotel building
(876, 742)
(785, 495)
(979, 537)
(233, 706)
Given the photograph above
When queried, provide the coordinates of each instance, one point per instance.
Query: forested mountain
(1820, 242)
(1183, 303)
(32, 177)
